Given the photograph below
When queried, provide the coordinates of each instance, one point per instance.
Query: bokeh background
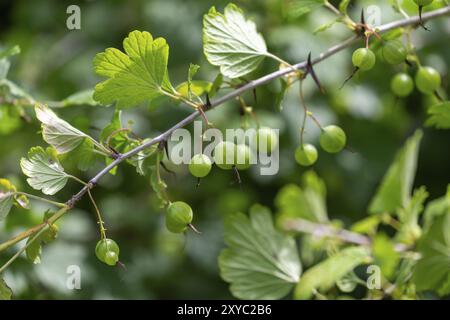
(56, 62)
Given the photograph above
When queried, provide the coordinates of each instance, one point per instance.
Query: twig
(328, 231)
(413, 21)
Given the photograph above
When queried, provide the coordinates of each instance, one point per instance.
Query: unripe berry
(306, 155)
(242, 157)
(333, 139)
(394, 52)
(107, 251)
(179, 215)
(402, 85)
(428, 80)
(266, 136)
(224, 155)
(200, 165)
(364, 59)
(111, 258)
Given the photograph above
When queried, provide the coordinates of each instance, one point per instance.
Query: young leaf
(279, 98)
(34, 250)
(385, 255)
(57, 132)
(298, 8)
(216, 84)
(260, 262)
(343, 6)
(436, 208)
(432, 272)
(193, 69)
(410, 230)
(325, 274)
(326, 26)
(307, 203)
(197, 87)
(159, 186)
(439, 116)
(138, 75)
(6, 197)
(5, 291)
(395, 189)
(44, 171)
(85, 97)
(10, 52)
(231, 42)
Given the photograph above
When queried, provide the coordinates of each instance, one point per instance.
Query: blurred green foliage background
(56, 62)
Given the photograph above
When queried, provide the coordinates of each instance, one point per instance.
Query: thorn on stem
(198, 182)
(421, 23)
(349, 78)
(193, 228)
(310, 70)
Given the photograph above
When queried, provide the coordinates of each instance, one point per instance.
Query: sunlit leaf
(85, 97)
(297, 8)
(308, 202)
(231, 42)
(57, 132)
(260, 262)
(432, 272)
(197, 87)
(5, 291)
(439, 116)
(395, 189)
(324, 275)
(43, 170)
(138, 75)
(6, 197)
(385, 255)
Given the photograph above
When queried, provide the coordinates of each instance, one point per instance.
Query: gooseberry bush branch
(64, 138)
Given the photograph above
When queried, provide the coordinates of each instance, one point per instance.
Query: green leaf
(9, 118)
(231, 42)
(160, 187)
(260, 262)
(395, 189)
(16, 91)
(343, 6)
(367, 225)
(6, 197)
(439, 116)
(436, 208)
(324, 275)
(197, 88)
(138, 75)
(410, 230)
(279, 98)
(57, 132)
(326, 26)
(216, 85)
(5, 291)
(10, 52)
(432, 272)
(85, 97)
(385, 255)
(34, 250)
(193, 69)
(84, 155)
(297, 8)
(307, 203)
(43, 170)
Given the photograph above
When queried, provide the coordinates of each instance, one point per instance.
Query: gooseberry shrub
(261, 260)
